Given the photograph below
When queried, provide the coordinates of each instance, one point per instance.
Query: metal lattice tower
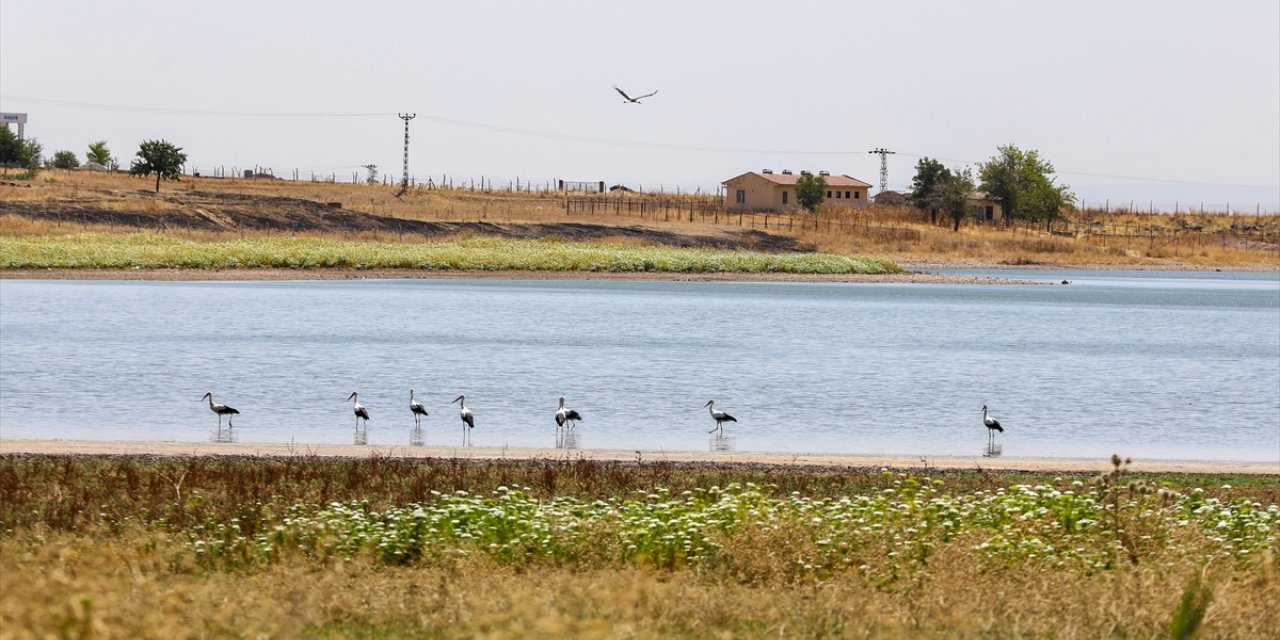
(404, 179)
(884, 167)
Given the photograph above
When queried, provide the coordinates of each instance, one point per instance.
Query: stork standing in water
(992, 425)
(468, 419)
(719, 416)
(221, 410)
(359, 410)
(417, 409)
(570, 416)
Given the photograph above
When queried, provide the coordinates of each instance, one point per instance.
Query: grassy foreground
(397, 548)
(145, 250)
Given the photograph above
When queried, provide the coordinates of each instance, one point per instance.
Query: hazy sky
(1184, 93)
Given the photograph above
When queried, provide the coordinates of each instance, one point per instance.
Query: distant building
(769, 191)
(19, 120)
(891, 199)
(985, 209)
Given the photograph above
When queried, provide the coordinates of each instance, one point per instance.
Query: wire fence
(1122, 225)
(444, 181)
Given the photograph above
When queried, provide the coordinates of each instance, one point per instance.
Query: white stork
(468, 418)
(359, 410)
(992, 425)
(629, 99)
(564, 415)
(719, 416)
(417, 410)
(221, 410)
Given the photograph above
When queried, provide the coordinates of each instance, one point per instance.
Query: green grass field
(145, 250)
(396, 548)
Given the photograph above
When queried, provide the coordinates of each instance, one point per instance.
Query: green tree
(955, 196)
(99, 153)
(810, 190)
(17, 152)
(65, 160)
(928, 188)
(161, 158)
(1024, 184)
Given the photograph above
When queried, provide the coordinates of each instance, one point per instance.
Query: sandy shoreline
(806, 460)
(272, 274)
(914, 272)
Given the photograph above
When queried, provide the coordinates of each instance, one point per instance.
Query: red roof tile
(791, 179)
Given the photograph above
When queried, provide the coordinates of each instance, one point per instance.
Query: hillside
(191, 209)
(58, 200)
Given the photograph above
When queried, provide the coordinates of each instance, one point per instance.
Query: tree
(955, 198)
(65, 160)
(99, 153)
(1023, 183)
(928, 188)
(810, 190)
(17, 152)
(161, 158)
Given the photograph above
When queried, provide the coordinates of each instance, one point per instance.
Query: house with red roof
(769, 191)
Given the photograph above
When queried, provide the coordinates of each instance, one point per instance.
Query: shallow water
(1151, 365)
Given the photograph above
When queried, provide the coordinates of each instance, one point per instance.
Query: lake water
(1149, 365)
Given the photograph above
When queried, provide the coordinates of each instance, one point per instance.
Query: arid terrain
(209, 208)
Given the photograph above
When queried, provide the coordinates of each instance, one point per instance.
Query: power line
(884, 167)
(568, 137)
(190, 112)
(404, 181)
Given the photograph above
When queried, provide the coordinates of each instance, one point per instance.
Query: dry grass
(128, 586)
(101, 547)
(902, 235)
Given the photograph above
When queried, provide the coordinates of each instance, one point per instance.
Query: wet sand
(799, 461)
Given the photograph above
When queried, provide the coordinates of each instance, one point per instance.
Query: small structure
(19, 120)
(985, 208)
(891, 199)
(581, 186)
(769, 191)
(93, 167)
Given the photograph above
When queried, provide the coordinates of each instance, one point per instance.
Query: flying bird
(992, 425)
(564, 415)
(417, 409)
(221, 410)
(719, 416)
(359, 410)
(468, 418)
(629, 99)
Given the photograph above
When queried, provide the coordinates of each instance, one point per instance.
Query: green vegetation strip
(159, 251)
(1089, 528)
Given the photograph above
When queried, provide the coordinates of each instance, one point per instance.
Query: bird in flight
(629, 99)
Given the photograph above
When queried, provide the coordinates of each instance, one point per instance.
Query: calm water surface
(1151, 365)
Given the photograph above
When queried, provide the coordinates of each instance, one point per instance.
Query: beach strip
(820, 461)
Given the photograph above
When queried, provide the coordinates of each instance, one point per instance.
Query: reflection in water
(992, 450)
(223, 435)
(361, 437)
(566, 439)
(417, 437)
(722, 443)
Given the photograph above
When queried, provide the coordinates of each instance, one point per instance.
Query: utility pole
(884, 167)
(404, 179)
